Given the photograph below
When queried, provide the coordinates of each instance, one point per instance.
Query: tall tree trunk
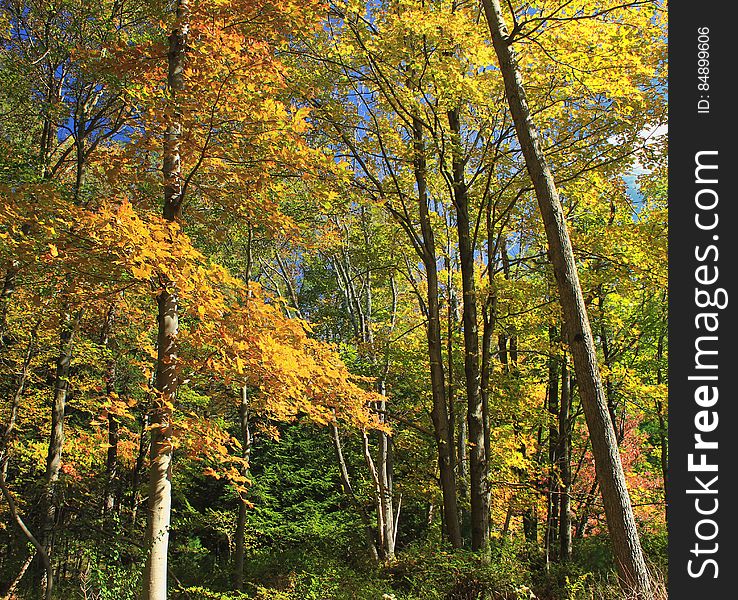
(247, 443)
(111, 467)
(360, 310)
(553, 451)
(462, 472)
(477, 455)
(618, 510)
(240, 542)
(160, 470)
(385, 502)
(111, 460)
(384, 470)
(564, 460)
(381, 517)
(439, 414)
(68, 327)
(489, 319)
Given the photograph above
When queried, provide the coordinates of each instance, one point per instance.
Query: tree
(621, 523)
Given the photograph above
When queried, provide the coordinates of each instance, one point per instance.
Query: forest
(333, 299)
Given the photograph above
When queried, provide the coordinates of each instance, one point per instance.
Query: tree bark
(381, 517)
(477, 454)
(564, 460)
(5, 295)
(384, 471)
(553, 452)
(111, 467)
(138, 468)
(160, 470)
(439, 415)
(489, 322)
(68, 327)
(45, 559)
(618, 510)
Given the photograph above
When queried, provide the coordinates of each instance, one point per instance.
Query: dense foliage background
(342, 186)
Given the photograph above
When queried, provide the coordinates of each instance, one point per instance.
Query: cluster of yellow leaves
(233, 333)
(254, 344)
(241, 133)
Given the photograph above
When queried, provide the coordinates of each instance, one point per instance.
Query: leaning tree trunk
(6, 435)
(618, 510)
(160, 469)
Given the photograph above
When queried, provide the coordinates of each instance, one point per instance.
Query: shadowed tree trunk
(439, 415)
(475, 417)
(111, 460)
(138, 469)
(618, 510)
(564, 460)
(5, 295)
(68, 328)
(6, 436)
(552, 512)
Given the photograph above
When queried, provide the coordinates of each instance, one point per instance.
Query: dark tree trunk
(489, 317)
(5, 295)
(111, 460)
(138, 469)
(439, 416)
(475, 417)
(564, 460)
(553, 451)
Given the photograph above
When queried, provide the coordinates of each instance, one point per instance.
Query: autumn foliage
(349, 184)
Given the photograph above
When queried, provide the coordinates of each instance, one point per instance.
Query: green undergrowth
(515, 571)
